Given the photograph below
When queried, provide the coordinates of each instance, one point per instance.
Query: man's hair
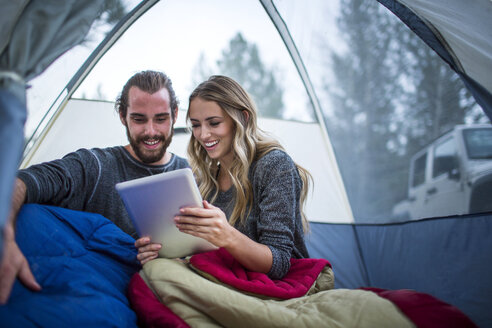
(150, 82)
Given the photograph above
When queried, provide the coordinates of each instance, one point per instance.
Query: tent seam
(367, 278)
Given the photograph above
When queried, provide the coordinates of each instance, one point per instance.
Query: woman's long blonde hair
(249, 144)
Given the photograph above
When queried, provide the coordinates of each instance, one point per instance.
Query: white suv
(452, 175)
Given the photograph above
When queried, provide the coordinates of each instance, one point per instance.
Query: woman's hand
(146, 250)
(209, 223)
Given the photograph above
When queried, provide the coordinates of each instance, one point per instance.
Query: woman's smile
(211, 144)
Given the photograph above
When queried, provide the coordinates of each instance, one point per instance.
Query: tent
(27, 46)
(445, 254)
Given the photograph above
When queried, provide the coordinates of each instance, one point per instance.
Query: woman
(256, 188)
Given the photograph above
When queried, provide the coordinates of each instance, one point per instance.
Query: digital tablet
(153, 201)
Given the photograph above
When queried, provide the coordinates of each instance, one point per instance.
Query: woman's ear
(245, 117)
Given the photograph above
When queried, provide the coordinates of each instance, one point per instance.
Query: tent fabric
(28, 45)
(473, 50)
(84, 264)
(466, 47)
(448, 258)
(338, 244)
(7, 23)
(34, 44)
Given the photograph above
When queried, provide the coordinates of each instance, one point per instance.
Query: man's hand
(146, 250)
(14, 265)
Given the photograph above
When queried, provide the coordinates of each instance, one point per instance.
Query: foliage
(242, 62)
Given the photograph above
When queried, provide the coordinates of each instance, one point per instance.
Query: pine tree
(242, 62)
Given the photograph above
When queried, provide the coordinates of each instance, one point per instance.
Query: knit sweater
(85, 180)
(275, 217)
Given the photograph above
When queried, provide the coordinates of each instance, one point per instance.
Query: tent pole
(301, 69)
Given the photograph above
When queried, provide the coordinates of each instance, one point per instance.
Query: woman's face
(213, 128)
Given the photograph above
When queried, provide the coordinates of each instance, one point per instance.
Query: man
(85, 180)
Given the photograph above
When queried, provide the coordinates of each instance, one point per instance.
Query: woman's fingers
(192, 211)
(209, 223)
(186, 227)
(181, 220)
(195, 215)
(207, 211)
(207, 205)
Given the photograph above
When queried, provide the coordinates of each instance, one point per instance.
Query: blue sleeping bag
(84, 264)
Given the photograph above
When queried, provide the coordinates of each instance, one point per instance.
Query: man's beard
(149, 156)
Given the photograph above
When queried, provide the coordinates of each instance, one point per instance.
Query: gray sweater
(275, 219)
(84, 180)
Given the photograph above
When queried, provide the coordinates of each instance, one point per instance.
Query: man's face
(149, 125)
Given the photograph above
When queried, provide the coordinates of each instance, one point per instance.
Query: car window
(444, 157)
(419, 170)
(478, 143)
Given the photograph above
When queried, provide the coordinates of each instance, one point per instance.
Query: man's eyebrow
(143, 115)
